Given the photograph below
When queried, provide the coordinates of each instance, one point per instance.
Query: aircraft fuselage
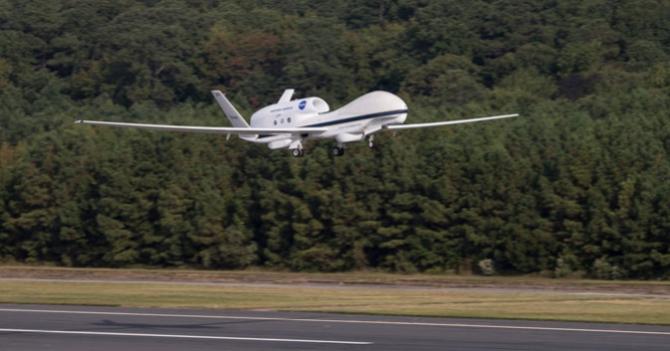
(352, 122)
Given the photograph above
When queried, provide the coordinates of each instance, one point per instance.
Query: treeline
(579, 186)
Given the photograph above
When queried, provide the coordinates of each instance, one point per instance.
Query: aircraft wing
(203, 129)
(447, 123)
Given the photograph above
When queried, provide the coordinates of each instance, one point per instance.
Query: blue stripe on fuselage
(344, 120)
(355, 118)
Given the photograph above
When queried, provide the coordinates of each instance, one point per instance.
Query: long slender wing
(447, 123)
(202, 129)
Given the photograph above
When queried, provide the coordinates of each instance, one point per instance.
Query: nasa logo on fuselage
(302, 104)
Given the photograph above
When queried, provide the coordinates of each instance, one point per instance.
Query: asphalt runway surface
(32, 327)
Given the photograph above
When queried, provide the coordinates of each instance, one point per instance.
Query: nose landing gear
(371, 139)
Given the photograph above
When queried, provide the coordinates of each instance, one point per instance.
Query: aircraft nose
(391, 101)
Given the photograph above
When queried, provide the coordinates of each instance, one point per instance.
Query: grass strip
(345, 278)
(542, 305)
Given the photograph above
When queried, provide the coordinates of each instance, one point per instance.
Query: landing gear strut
(338, 150)
(371, 138)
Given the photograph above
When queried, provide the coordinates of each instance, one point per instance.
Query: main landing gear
(337, 150)
(298, 152)
(296, 149)
(371, 138)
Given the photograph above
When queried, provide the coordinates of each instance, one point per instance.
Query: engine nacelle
(284, 112)
(311, 105)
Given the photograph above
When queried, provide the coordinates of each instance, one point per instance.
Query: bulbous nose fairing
(374, 102)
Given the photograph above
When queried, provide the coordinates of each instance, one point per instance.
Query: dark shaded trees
(576, 187)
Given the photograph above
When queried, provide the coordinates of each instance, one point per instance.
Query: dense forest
(577, 186)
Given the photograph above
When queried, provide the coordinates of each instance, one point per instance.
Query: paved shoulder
(29, 327)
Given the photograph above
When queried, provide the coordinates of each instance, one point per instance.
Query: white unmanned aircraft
(289, 122)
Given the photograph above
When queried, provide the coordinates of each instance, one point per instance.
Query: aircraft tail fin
(286, 96)
(235, 117)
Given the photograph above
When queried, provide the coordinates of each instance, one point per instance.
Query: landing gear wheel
(337, 151)
(297, 152)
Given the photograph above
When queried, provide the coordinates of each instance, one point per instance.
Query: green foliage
(577, 186)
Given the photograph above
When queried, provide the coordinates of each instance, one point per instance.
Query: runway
(33, 327)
